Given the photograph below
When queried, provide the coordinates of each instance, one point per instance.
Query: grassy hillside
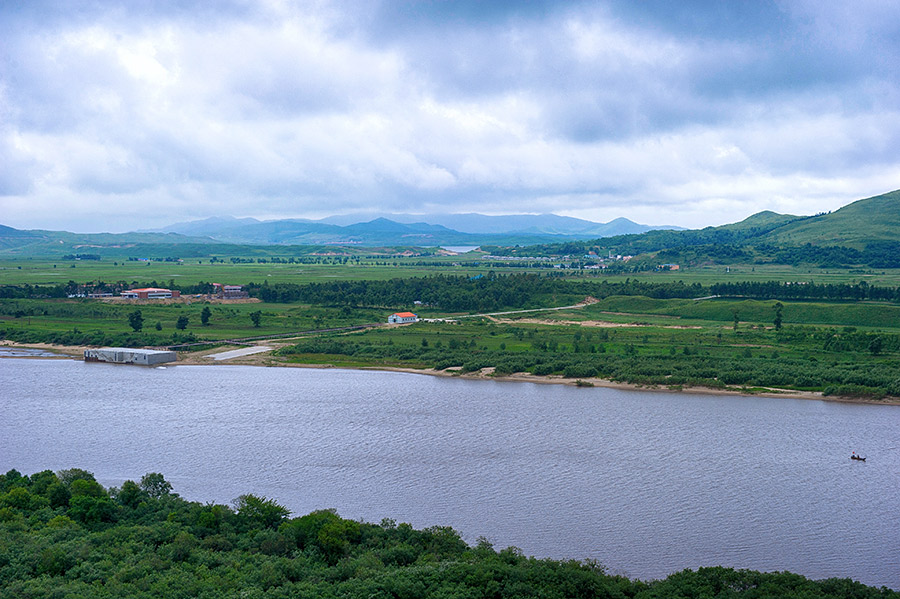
(854, 225)
(761, 221)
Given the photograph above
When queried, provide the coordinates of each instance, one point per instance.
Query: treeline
(97, 338)
(877, 254)
(806, 291)
(81, 257)
(459, 293)
(490, 292)
(64, 535)
(72, 288)
(451, 293)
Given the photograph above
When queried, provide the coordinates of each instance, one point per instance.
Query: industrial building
(127, 355)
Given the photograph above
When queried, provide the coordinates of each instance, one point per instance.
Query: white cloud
(277, 109)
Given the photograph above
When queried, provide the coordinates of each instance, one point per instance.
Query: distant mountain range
(856, 225)
(376, 229)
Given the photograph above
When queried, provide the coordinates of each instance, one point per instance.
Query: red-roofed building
(150, 293)
(402, 318)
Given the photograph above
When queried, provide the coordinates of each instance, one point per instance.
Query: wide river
(648, 483)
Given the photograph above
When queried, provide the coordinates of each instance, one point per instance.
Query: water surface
(647, 483)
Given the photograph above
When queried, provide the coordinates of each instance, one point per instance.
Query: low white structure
(402, 318)
(128, 355)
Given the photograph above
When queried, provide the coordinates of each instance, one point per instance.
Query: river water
(648, 483)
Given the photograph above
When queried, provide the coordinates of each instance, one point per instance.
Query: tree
(67, 477)
(136, 320)
(182, 322)
(256, 317)
(736, 321)
(876, 345)
(154, 485)
(778, 307)
(204, 316)
(261, 512)
(130, 494)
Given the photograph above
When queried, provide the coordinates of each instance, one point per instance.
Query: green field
(43, 272)
(34, 271)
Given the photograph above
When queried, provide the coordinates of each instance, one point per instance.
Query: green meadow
(43, 271)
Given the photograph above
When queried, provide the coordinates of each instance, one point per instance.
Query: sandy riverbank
(486, 374)
(63, 351)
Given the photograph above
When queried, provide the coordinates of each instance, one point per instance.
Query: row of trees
(492, 292)
(455, 293)
(452, 293)
(460, 293)
(136, 319)
(806, 290)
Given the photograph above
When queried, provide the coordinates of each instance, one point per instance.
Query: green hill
(765, 220)
(855, 225)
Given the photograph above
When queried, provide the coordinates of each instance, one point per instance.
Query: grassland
(192, 272)
(35, 271)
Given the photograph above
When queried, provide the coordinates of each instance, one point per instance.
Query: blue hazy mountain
(407, 229)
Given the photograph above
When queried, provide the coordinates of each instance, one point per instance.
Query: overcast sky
(116, 116)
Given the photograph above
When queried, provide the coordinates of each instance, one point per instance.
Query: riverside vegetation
(64, 535)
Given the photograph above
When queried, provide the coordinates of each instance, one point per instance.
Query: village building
(150, 293)
(402, 318)
(229, 291)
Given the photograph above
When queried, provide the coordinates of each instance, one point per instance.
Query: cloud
(691, 113)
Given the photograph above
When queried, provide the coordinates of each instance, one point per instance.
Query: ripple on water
(647, 483)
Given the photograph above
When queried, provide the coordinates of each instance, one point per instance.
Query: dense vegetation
(64, 535)
(850, 362)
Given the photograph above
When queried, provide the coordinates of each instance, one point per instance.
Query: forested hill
(866, 232)
(64, 535)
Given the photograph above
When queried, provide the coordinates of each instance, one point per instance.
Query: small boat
(857, 457)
